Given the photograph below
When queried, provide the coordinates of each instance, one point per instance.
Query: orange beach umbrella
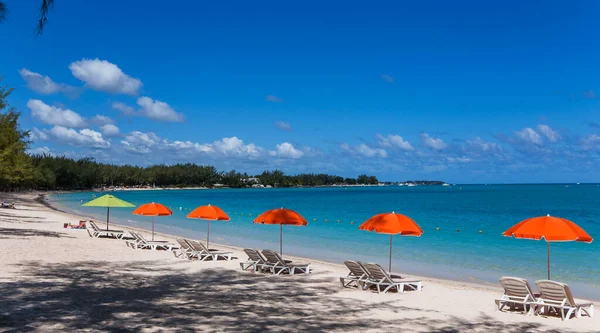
(552, 229)
(392, 224)
(281, 216)
(152, 209)
(209, 213)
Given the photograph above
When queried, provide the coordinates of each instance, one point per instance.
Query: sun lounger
(255, 261)
(357, 275)
(96, 232)
(278, 265)
(139, 242)
(556, 297)
(212, 253)
(517, 293)
(377, 276)
(185, 250)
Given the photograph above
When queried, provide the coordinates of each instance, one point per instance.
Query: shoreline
(466, 281)
(50, 205)
(78, 283)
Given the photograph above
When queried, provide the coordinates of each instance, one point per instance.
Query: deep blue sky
(477, 91)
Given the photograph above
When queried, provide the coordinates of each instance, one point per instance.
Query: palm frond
(46, 6)
(3, 11)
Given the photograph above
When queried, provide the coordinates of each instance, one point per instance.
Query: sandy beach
(56, 279)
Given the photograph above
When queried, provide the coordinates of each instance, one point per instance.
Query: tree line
(19, 170)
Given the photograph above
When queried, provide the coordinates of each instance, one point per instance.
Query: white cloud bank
(157, 110)
(53, 115)
(431, 142)
(44, 84)
(104, 76)
(394, 141)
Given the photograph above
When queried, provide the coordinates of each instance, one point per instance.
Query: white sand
(55, 279)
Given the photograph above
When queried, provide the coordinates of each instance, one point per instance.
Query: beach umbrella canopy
(392, 224)
(209, 213)
(550, 228)
(281, 216)
(108, 201)
(152, 209)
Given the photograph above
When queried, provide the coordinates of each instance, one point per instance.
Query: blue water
(458, 250)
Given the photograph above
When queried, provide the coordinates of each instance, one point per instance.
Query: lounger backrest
(377, 272)
(139, 237)
(94, 225)
(355, 268)
(516, 287)
(555, 291)
(197, 246)
(253, 255)
(273, 257)
(183, 244)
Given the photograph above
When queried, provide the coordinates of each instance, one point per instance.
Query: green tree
(45, 7)
(15, 165)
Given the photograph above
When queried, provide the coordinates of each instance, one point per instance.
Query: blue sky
(466, 91)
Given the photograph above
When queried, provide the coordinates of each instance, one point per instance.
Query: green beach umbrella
(108, 201)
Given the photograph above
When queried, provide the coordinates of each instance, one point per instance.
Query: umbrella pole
(107, 216)
(281, 239)
(208, 234)
(152, 227)
(548, 260)
(390, 253)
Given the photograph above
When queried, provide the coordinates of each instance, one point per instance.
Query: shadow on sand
(6, 233)
(121, 297)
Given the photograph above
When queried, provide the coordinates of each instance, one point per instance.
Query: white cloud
(274, 99)
(286, 150)
(283, 125)
(105, 76)
(236, 147)
(101, 120)
(461, 159)
(226, 147)
(126, 109)
(431, 142)
(364, 150)
(109, 130)
(550, 134)
(387, 78)
(85, 137)
(140, 142)
(591, 142)
(158, 110)
(529, 136)
(53, 115)
(395, 141)
(41, 151)
(43, 84)
(36, 135)
(481, 145)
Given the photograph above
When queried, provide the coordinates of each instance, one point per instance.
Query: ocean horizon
(462, 226)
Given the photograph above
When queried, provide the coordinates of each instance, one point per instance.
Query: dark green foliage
(15, 166)
(59, 172)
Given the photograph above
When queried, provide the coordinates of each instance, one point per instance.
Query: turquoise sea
(468, 245)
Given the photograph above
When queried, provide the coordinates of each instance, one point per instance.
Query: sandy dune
(55, 279)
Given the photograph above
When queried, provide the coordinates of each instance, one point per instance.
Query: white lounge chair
(139, 242)
(255, 261)
(96, 232)
(203, 251)
(557, 297)
(278, 265)
(377, 276)
(517, 292)
(357, 276)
